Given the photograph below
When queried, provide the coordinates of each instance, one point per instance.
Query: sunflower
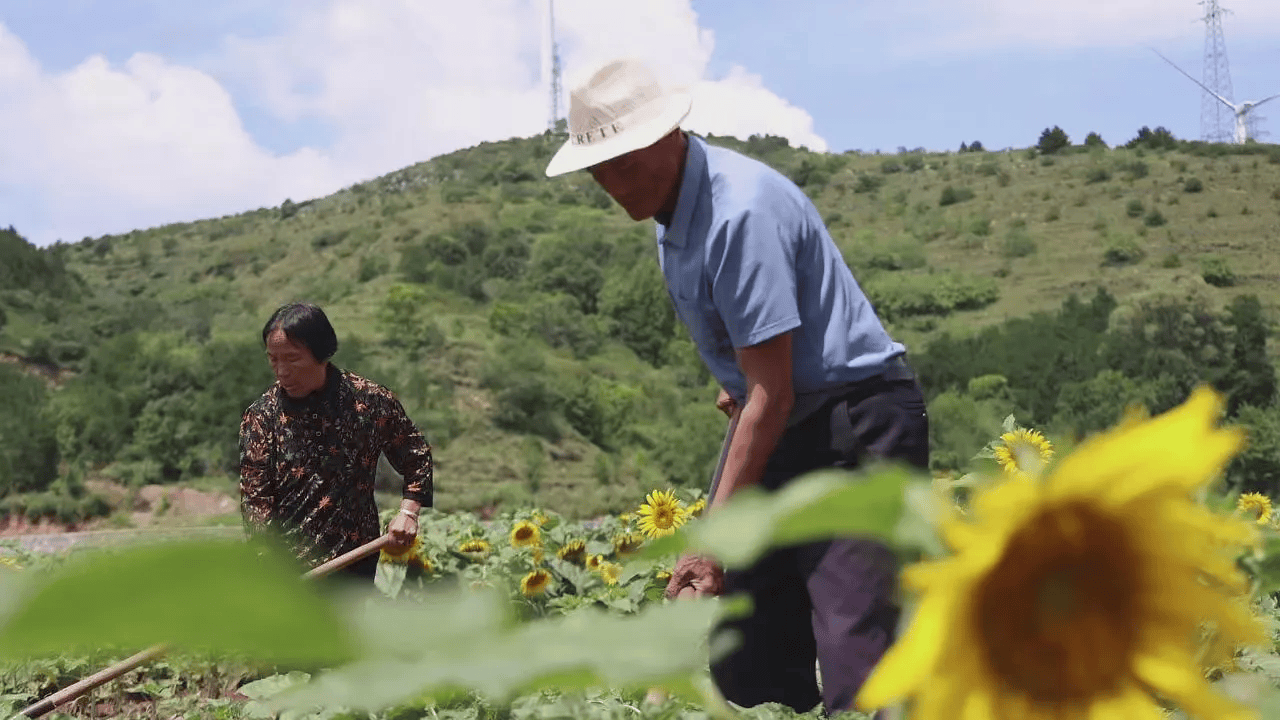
(408, 556)
(539, 519)
(537, 555)
(625, 519)
(662, 513)
(535, 583)
(525, 534)
(10, 563)
(594, 562)
(663, 575)
(1080, 596)
(695, 510)
(610, 572)
(1257, 504)
(475, 549)
(574, 551)
(1023, 451)
(627, 543)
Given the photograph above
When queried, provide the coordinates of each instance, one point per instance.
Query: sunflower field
(1112, 579)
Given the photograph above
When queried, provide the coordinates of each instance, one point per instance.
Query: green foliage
(952, 195)
(1053, 140)
(1215, 271)
(28, 440)
(1154, 218)
(405, 319)
(1257, 467)
(635, 299)
(1094, 140)
(1122, 250)
(1097, 174)
(868, 253)
(557, 319)
(1193, 185)
(1018, 243)
(897, 295)
(1134, 208)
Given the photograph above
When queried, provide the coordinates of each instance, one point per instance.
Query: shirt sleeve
(408, 452)
(257, 476)
(752, 266)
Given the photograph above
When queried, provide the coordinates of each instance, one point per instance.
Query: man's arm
(257, 476)
(763, 419)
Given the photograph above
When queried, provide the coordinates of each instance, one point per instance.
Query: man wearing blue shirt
(804, 365)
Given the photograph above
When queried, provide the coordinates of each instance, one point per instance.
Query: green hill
(523, 322)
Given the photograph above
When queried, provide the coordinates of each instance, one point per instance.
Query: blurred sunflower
(1256, 504)
(627, 543)
(574, 551)
(539, 519)
(525, 534)
(9, 563)
(662, 513)
(475, 549)
(1023, 451)
(535, 583)
(695, 510)
(537, 555)
(1080, 596)
(663, 575)
(594, 562)
(610, 572)
(625, 519)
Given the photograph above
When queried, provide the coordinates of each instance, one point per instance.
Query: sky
(128, 114)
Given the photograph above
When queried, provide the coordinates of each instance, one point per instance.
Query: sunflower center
(663, 517)
(1058, 615)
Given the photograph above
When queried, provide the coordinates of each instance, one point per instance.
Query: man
(802, 359)
(309, 449)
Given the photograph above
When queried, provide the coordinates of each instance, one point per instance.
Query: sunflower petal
(1174, 674)
(905, 666)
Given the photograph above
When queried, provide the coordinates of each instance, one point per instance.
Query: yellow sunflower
(537, 555)
(525, 534)
(662, 513)
(663, 575)
(627, 544)
(539, 519)
(625, 519)
(10, 563)
(695, 510)
(594, 562)
(610, 572)
(1080, 596)
(1023, 451)
(1256, 504)
(535, 583)
(574, 551)
(475, 549)
(408, 556)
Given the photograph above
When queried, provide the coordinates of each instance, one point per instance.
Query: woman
(309, 449)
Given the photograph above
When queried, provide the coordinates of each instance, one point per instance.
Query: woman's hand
(725, 404)
(403, 528)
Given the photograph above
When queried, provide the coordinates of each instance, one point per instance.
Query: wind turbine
(1241, 111)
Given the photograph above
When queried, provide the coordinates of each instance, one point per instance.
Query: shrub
(1122, 251)
(1193, 185)
(951, 195)
(1053, 214)
(1053, 140)
(898, 296)
(1216, 272)
(1094, 140)
(1096, 175)
(1171, 261)
(1135, 208)
(1154, 218)
(1018, 243)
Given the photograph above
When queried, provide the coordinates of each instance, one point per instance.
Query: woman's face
(295, 368)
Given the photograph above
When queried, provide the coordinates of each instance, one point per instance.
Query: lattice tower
(1217, 122)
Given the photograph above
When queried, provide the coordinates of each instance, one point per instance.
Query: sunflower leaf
(459, 639)
(214, 596)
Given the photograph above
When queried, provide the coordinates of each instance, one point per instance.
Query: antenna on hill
(1216, 120)
(554, 123)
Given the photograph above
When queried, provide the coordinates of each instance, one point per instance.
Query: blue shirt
(746, 258)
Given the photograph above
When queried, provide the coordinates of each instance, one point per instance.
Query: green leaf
(818, 505)
(460, 639)
(216, 596)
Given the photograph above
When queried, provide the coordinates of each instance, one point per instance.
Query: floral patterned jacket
(307, 466)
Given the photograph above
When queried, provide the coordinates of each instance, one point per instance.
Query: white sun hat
(620, 109)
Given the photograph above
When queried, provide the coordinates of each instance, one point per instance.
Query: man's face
(642, 180)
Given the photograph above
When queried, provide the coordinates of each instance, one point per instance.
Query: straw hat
(620, 109)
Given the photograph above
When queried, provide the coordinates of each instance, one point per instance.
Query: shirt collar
(695, 170)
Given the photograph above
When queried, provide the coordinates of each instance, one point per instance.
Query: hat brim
(572, 157)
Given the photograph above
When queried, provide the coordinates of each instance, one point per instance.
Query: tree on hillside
(1158, 139)
(28, 443)
(1094, 140)
(636, 300)
(1053, 140)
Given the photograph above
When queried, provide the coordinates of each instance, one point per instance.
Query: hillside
(522, 319)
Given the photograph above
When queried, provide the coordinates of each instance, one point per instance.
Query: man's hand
(403, 528)
(697, 576)
(725, 403)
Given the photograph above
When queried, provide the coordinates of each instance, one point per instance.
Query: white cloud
(945, 26)
(108, 148)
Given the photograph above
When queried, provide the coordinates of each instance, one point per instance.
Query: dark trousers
(831, 601)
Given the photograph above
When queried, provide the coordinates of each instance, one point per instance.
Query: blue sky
(134, 113)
